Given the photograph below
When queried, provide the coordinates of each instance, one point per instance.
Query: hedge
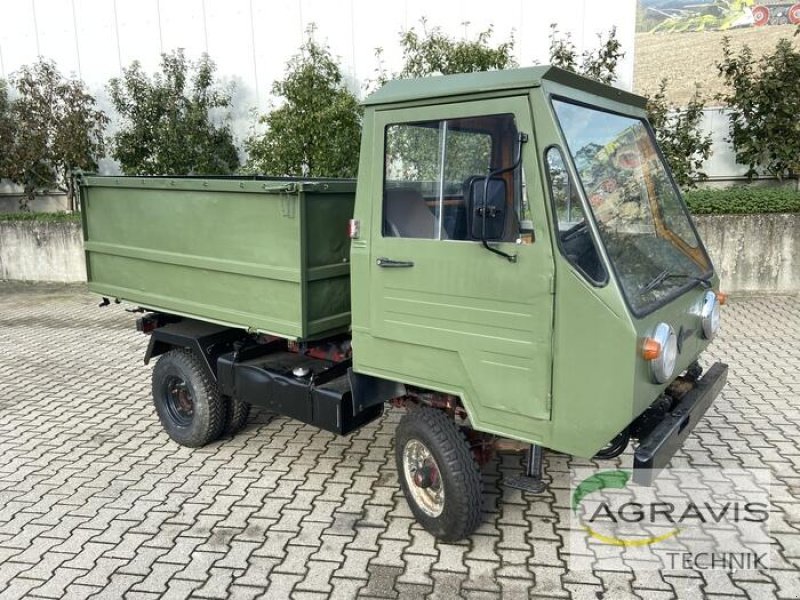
(42, 217)
(742, 200)
(737, 200)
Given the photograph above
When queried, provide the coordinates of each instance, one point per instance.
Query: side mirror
(486, 219)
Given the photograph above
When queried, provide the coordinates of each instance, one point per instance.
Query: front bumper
(656, 450)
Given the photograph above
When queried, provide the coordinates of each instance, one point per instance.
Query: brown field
(686, 58)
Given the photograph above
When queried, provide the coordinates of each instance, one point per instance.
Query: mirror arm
(521, 139)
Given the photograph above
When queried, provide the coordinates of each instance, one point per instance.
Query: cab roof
(442, 86)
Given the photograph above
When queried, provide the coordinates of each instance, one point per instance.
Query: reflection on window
(642, 221)
(574, 236)
(435, 173)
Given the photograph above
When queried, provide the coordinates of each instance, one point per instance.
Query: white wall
(251, 40)
(37, 251)
(722, 164)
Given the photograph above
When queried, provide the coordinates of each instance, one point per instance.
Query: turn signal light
(651, 349)
(722, 298)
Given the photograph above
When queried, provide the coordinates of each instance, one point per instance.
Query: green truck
(515, 268)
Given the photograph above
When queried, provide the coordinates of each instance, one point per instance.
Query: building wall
(55, 202)
(754, 253)
(34, 251)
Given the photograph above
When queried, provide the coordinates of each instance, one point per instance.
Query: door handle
(393, 264)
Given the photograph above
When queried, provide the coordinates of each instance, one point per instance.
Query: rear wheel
(186, 399)
(438, 474)
(236, 413)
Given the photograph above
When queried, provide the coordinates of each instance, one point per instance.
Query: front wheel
(438, 474)
(186, 399)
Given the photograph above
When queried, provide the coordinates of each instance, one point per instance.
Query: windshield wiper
(667, 274)
(655, 281)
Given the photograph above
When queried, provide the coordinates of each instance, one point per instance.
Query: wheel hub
(423, 478)
(426, 476)
(180, 402)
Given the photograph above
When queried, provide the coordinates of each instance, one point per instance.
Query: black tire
(186, 399)
(458, 513)
(236, 414)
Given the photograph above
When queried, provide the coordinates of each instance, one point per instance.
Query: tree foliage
(167, 120)
(599, 63)
(316, 131)
(7, 130)
(764, 99)
(51, 128)
(433, 52)
(678, 132)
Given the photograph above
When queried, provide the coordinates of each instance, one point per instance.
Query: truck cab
(521, 238)
(521, 274)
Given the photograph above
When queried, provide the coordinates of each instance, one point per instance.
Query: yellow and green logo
(609, 480)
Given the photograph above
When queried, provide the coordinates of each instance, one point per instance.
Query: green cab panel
(266, 255)
(601, 383)
(535, 349)
(460, 320)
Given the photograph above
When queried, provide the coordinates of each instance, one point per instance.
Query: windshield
(642, 221)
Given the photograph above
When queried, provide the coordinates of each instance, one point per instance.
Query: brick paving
(96, 501)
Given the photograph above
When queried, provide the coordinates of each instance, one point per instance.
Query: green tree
(7, 130)
(600, 63)
(55, 128)
(764, 99)
(432, 52)
(316, 131)
(678, 132)
(166, 120)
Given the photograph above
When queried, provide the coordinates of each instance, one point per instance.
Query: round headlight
(709, 315)
(663, 366)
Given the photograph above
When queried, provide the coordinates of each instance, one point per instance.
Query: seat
(407, 215)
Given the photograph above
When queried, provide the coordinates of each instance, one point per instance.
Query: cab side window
(434, 170)
(574, 237)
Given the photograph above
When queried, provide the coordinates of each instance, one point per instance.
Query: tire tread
(462, 514)
(202, 384)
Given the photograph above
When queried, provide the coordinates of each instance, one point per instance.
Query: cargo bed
(270, 255)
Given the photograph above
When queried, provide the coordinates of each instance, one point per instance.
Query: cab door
(446, 313)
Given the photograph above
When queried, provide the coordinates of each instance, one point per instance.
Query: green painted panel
(461, 320)
(600, 381)
(245, 253)
(533, 349)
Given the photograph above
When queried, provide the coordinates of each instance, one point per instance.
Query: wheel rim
(423, 478)
(179, 401)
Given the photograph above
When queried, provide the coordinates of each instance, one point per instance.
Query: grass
(737, 200)
(41, 217)
(742, 200)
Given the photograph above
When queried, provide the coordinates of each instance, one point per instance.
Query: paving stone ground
(96, 501)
